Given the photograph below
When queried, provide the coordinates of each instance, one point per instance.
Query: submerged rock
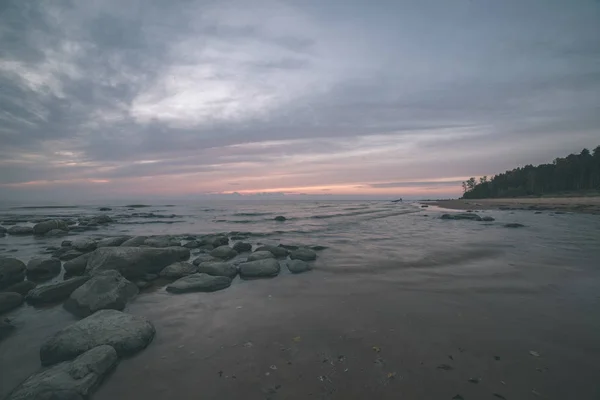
(220, 241)
(514, 225)
(77, 265)
(487, 219)
(278, 252)
(192, 244)
(223, 252)
(260, 269)
(298, 266)
(43, 268)
(134, 241)
(280, 218)
(9, 301)
(105, 290)
(20, 230)
(218, 269)
(54, 292)
(127, 333)
(71, 380)
(22, 287)
(113, 241)
(46, 226)
(303, 254)
(105, 209)
(133, 262)
(56, 232)
(199, 283)
(242, 247)
(178, 270)
(11, 271)
(468, 216)
(6, 328)
(260, 255)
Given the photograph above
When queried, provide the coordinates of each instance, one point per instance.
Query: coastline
(584, 205)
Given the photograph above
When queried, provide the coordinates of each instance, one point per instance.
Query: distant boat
(397, 201)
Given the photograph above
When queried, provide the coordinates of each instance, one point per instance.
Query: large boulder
(178, 270)
(9, 300)
(84, 245)
(43, 268)
(11, 271)
(298, 266)
(113, 241)
(70, 380)
(278, 252)
(133, 262)
(20, 230)
(260, 255)
(162, 241)
(134, 241)
(105, 290)
(466, 216)
(127, 333)
(224, 253)
(54, 292)
(77, 265)
(242, 247)
(266, 268)
(46, 226)
(303, 254)
(218, 269)
(22, 287)
(199, 283)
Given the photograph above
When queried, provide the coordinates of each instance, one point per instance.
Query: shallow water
(394, 277)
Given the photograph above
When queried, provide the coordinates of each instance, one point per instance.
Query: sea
(400, 304)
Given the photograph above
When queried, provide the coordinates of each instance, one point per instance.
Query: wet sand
(586, 205)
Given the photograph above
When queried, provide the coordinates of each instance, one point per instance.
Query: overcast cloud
(371, 98)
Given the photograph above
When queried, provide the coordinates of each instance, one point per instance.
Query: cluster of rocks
(57, 227)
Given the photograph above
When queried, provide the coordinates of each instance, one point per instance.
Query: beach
(399, 304)
(586, 205)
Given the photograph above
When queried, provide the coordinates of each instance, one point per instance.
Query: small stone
(199, 283)
(278, 252)
(303, 254)
(224, 252)
(242, 247)
(260, 269)
(298, 266)
(260, 255)
(178, 270)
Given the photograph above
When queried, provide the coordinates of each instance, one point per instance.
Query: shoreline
(583, 205)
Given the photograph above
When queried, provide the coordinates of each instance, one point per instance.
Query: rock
(260, 255)
(6, 328)
(199, 283)
(467, 216)
(303, 254)
(242, 247)
(84, 245)
(514, 225)
(2, 229)
(20, 230)
(319, 248)
(46, 226)
(220, 241)
(488, 219)
(259, 269)
(178, 270)
(113, 241)
(150, 277)
(164, 241)
(105, 290)
(65, 243)
(2, 234)
(56, 233)
(69, 255)
(288, 246)
(22, 287)
(298, 266)
(142, 284)
(134, 262)
(278, 252)
(11, 271)
(280, 218)
(192, 244)
(54, 292)
(134, 242)
(204, 258)
(218, 269)
(43, 268)
(9, 301)
(70, 380)
(102, 219)
(127, 333)
(77, 265)
(223, 252)
(105, 209)
(424, 206)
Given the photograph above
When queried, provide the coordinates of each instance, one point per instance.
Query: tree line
(574, 173)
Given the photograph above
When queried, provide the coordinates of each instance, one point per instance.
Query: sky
(244, 98)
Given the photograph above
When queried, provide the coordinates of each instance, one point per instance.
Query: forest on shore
(574, 173)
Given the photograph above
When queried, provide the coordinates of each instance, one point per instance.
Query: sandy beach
(586, 205)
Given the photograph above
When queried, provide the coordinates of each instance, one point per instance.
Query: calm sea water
(433, 285)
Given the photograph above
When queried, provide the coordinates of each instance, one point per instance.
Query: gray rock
(54, 292)
(134, 262)
(220, 241)
(113, 241)
(105, 290)
(102, 219)
(11, 271)
(178, 270)
(60, 251)
(303, 254)
(56, 233)
(105, 209)
(9, 301)
(84, 245)
(163, 241)
(20, 230)
(2, 229)
(77, 265)
(2, 234)
(278, 252)
(487, 219)
(289, 246)
(46, 226)
(260, 255)
(298, 266)
(280, 218)
(70, 380)
(458, 216)
(22, 287)
(224, 253)
(65, 243)
(218, 269)
(69, 255)
(150, 277)
(127, 333)
(242, 247)
(199, 283)
(260, 269)
(514, 225)
(204, 258)
(43, 268)
(134, 241)
(6, 328)
(192, 244)
(142, 284)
